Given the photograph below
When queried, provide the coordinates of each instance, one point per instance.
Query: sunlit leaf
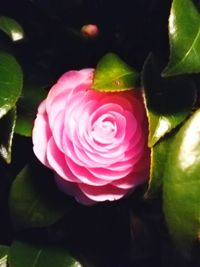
(184, 36)
(11, 81)
(4, 251)
(30, 255)
(181, 185)
(7, 125)
(12, 28)
(113, 74)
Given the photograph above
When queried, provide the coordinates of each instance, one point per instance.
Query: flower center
(104, 129)
(107, 127)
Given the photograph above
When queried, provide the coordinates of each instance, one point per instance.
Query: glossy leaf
(12, 28)
(11, 80)
(35, 200)
(7, 125)
(168, 100)
(4, 250)
(181, 186)
(30, 255)
(159, 155)
(184, 36)
(27, 105)
(113, 74)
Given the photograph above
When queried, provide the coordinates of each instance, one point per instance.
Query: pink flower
(96, 142)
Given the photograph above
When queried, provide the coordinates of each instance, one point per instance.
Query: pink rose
(95, 142)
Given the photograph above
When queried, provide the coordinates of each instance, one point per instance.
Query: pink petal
(72, 189)
(41, 135)
(56, 107)
(68, 83)
(102, 193)
(73, 78)
(131, 180)
(58, 130)
(108, 174)
(84, 175)
(57, 161)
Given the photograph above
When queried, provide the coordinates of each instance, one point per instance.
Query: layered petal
(41, 131)
(95, 142)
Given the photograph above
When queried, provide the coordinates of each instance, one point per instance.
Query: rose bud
(96, 142)
(90, 31)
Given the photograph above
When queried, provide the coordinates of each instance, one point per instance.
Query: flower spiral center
(104, 129)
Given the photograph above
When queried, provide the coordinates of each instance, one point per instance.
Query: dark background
(132, 29)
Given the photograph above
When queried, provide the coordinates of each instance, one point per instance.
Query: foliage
(135, 47)
(114, 75)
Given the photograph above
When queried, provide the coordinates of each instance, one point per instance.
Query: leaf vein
(189, 50)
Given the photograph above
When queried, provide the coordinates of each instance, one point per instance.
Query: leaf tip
(112, 74)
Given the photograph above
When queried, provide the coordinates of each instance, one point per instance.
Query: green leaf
(27, 105)
(12, 28)
(168, 100)
(4, 250)
(7, 125)
(11, 80)
(181, 185)
(112, 74)
(159, 155)
(30, 255)
(24, 124)
(184, 36)
(35, 200)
